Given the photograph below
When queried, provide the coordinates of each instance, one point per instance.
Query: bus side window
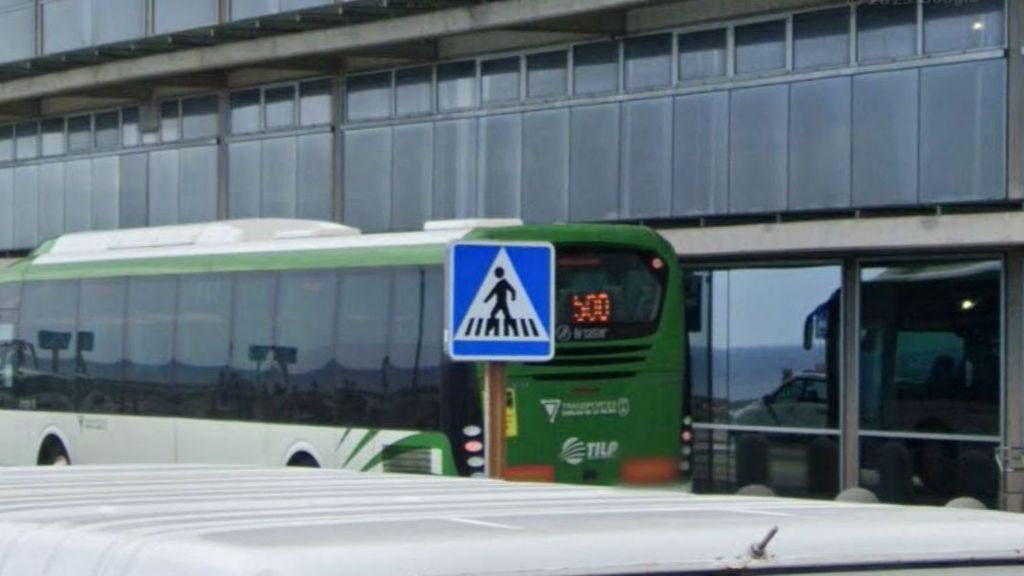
(361, 351)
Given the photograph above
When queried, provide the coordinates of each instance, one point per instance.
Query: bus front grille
(409, 460)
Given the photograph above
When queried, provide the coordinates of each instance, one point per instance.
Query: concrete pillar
(1015, 101)
(849, 418)
(1012, 465)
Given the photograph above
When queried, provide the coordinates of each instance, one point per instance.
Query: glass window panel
(820, 137)
(170, 124)
(885, 138)
(546, 74)
(49, 312)
(702, 54)
(594, 157)
(202, 337)
(6, 143)
(647, 158)
(53, 136)
(18, 29)
(199, 117)
(244, 174)
(412, 177)
(758, 149)
(27, 136)
(361, 353)
(315, 102)
(279, 107)
(413, 360)
(73, 179)
(455, 150)
(886, 31)
(7, 215)
(101, 334)
(315, 173)
(546, 166)
(930, 349)
(80, 133)
(499, 79)
(149, 345)
(648, 61)
(414, 90)
(252, 344)
(133, 208)
(66, 25)
(242, 9)
(963, 132)
(198, 184)
(163, 171)
(130, 132)
(105, 184)
(303, 378)
(821, 38)
(500, 169)
(367, 173)
(368, 97)
(26, 206)
(52, 202)
(596, 67)
(245, 111)
(129, 22)
(278, 178)
(174, 15)
(108, 130)
(764, 346)
(954, 26)
(456, 85)
(701, 154)
(932, 471)
(761, 47)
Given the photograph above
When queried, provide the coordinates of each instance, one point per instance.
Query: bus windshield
(607, 294)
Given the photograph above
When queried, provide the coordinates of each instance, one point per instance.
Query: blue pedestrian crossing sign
(500, 301)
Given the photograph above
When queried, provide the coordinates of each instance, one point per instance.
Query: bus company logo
(555, 408)
(551, 408)
(575, 451)
(565, 333)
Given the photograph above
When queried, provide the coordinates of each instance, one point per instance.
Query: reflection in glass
(170, 125)
(821, 38)
(108, 130)
(596, 67)
(27, 139)
(199, 117)
(648, 61)
(315, 102)
(368, 97)
(279, 107)
(886, 31)
(47, 329)
(499, 79)
(413, 90)
(930, 349)
(763, 346)
(954, 26)
(761, 47)
(80, 133)
(929, 471)
(361, 352)
(702, 54)
(53, 136)
(201, 345)
(130, 133)
(245, 111)
(101, 338)
(252, 333)
(149, 345)
(546, 74)
(456, 85)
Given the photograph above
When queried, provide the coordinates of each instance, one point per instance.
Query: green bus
(308, 343)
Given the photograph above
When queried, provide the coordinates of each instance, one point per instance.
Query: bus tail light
(649, 471)
(533, 473)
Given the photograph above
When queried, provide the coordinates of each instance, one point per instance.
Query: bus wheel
(303, 460)
(53, 453)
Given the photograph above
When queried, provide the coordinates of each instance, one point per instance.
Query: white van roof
(174, 520)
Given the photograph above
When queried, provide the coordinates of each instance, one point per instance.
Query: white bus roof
(216, 520)
(245, 237)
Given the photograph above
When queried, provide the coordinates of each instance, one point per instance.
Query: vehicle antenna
(758, 549)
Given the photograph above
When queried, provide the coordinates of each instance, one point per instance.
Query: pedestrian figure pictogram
(493, 304)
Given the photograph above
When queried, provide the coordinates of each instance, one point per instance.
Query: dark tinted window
(821, 38)
(953, 26)
(500, 79)
(201, 345)
(886, 32)
(362, 341)
(252, 333)
(702, 54)
(199, 117)
(596, 67)
(149, 345)
(302, 386)
(101, 338)
(79, 133)
(648, 61)
(546, 74)
(245, 111)
(413, 360)
(108, 130)
(413, 90)
(47, 332)
(761, 47)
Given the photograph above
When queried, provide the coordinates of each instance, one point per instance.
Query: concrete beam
(850, 236)
(504, 40)
(492, 15)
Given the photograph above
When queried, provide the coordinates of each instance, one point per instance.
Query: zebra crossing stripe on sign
(501, 309)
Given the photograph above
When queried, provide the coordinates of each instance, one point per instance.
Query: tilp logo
(623, 407)
(575, 451)
(551, 407)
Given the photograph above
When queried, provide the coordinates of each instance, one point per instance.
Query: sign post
(499, 308)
